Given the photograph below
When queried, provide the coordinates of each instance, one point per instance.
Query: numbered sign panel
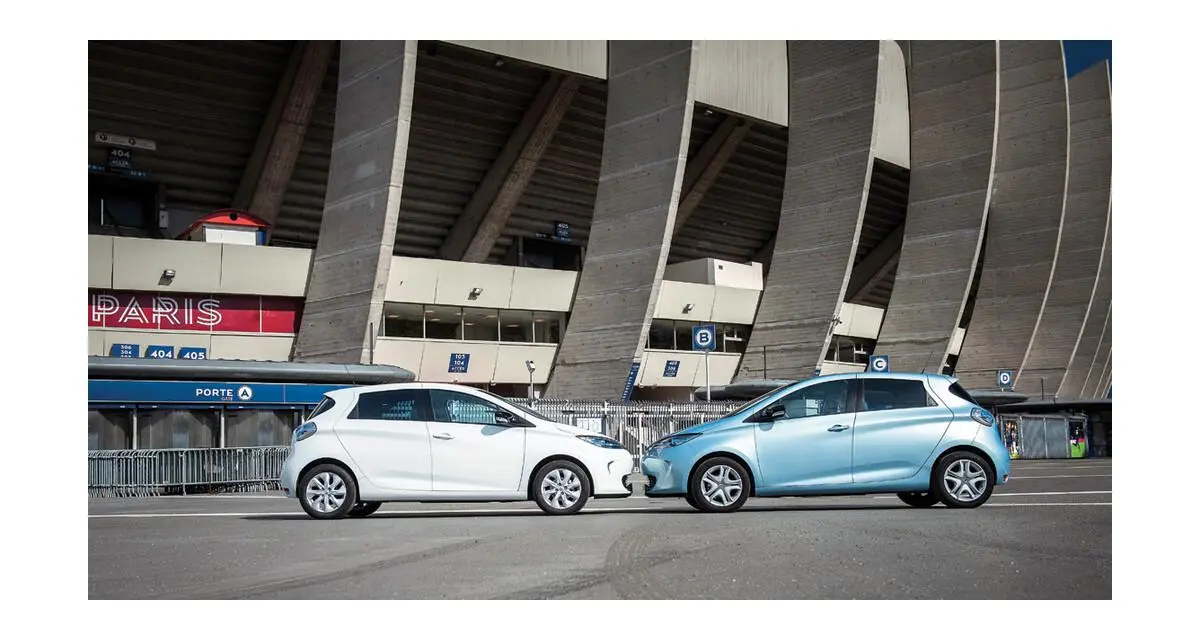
(160, 351)
(193, 353)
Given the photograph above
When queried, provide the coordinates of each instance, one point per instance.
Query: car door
(896, 428)
(387, 437)
(472, 451)
(810, 444)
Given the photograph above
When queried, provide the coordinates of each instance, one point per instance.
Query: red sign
(193, 312)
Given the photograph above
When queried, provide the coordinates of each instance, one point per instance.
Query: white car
(428, 442)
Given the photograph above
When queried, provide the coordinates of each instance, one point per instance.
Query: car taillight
(982, 416)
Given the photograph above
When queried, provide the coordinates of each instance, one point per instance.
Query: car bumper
(612, 478)
(663, 478)
(287, 476)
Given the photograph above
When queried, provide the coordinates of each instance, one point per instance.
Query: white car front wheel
(561, 488)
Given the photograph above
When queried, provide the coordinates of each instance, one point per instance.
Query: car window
(523, 408)
(883, 395)
(325, 405)
(452, 406)
(824, 399)
(746, 405)
(958, 390)
(404, 404)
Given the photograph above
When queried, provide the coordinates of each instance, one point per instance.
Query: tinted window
(451, 406)
(882, 395)
(958, 390)
(388, 405)
(325, 405)
(824, 399)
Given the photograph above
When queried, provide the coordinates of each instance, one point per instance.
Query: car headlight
(601, 441)
(675, 441)
(303, 431)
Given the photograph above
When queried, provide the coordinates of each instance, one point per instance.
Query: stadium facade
(559, 215)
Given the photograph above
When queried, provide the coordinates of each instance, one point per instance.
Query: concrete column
(831, 106)
(1026, 212)
(1084, 229)
(647, 128)
(1088, 354)
(953, 90)
(362, 202)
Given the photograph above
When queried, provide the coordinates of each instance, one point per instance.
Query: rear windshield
(958, 390)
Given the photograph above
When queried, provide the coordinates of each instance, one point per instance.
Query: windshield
(747, 405)
(507, 402)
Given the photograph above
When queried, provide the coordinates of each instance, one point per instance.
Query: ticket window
(110, 429)
(260, 428)
(178, 428)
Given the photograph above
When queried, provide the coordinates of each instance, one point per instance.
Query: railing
(636, 425)
(154, 472)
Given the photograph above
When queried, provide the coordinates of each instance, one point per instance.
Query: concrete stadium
(556, 216)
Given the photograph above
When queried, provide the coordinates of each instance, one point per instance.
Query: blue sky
(1082, 54)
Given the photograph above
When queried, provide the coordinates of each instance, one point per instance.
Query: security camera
(530, 365)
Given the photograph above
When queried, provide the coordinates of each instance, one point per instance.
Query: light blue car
(921, 436)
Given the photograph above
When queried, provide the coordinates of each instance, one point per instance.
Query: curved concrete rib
(1088, 354)
(832, 114)
(647, 128)
(1085, 223)
(953, 88)
(1026, 210)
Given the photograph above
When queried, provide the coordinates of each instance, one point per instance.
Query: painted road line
(1050, 493)
(999, 494)
(1071, 476)
(497, 512)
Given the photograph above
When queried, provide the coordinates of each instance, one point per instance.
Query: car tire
(363, 509)
(920, 500)
(561, 488)
(691, 501)
(328, 492)
(962, 480)
(720, 477)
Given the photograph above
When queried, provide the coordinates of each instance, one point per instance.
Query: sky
(1082, 54)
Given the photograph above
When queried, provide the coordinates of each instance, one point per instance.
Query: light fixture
(475, 292)
(168, 274)
(687, 308)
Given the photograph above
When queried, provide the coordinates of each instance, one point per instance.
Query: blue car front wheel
(719, 485)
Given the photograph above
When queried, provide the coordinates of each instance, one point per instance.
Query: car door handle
(443, 436)
(839, 427)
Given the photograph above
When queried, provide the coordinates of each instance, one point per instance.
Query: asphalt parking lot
(1045, 535)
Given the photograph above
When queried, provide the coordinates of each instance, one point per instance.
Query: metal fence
(154, 472)
(1037, 437)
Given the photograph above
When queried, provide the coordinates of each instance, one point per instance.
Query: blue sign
(459, 362)
(160, 351)
(633, 372)
(165, 392)
(878, 364)
(704, 337)
(193, 353)
(1004, 379)
(562, 231)
(672, 369)
(124, 350)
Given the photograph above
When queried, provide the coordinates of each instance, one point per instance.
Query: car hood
(571, 429)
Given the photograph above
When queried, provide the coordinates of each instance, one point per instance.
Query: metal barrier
(636, 425)
(155, 472)
(1037, 437)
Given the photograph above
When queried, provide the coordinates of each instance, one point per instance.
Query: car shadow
(591, 512)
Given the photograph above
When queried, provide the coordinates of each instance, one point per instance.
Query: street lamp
(531, 367)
